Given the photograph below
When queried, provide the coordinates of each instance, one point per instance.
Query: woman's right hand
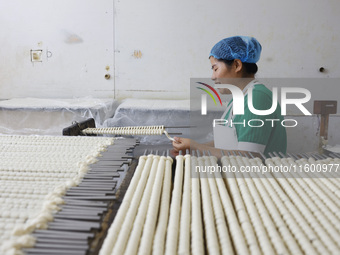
(181, 144)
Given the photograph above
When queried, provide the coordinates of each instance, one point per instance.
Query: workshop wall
(161, 44)
(72, 43)
(152, 48)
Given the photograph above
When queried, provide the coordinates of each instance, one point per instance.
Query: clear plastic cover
(50, 116)
(173, 114)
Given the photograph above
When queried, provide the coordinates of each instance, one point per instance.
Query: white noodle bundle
(256, 220)
(184, 230)
(197, 240)
(308, 240)
(233, 224)
(133, 130)
(272, 233)
(208, 214)
(124, 207)
(241, 210)
(220, 221)
(132, 214)
(151, 217)
(311, 213)
(159, 240)
(171, 244)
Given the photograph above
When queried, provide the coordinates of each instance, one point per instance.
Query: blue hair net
(245, 48)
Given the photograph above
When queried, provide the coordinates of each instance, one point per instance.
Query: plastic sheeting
(170, 113)
(330, 149)
(49, 116)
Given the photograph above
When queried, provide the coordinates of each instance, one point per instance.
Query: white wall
(78, 33)
(175, 38)
(159, 45)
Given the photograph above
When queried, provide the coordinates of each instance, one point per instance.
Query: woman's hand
(181, 144)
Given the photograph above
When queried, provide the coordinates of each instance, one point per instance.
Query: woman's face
(229, 74)
(221, 73)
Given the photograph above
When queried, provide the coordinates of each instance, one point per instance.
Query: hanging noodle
(235, 212)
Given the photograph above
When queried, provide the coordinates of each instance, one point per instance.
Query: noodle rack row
(225, 213)
(35, 172)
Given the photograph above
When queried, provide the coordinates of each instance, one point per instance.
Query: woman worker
(233, 60)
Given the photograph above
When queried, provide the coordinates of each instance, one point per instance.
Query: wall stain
(73, 39)
(137, 54)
